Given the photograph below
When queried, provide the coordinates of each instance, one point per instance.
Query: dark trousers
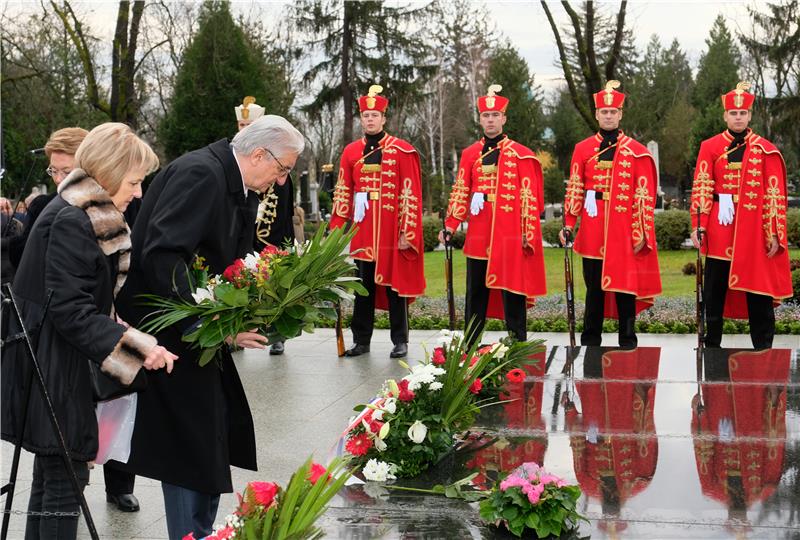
(118, 482)
(364, 309)
(477, 300)
(595, 301)
(189, 511)
(760, 310)
(52, 491)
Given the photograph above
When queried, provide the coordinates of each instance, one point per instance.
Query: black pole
(53, 421)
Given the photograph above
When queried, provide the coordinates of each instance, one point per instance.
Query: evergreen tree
(362, 43)
(525, 122)
(219, 68)
(567, 130)
(718, 74)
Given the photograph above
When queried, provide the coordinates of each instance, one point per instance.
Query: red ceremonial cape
(395, 207)
(758, 186)
(624, 218)
(506, 232)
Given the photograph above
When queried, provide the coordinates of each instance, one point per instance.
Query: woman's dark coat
(194, 423)
(79, 249)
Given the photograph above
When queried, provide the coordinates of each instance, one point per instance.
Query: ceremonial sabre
(448, 274)
(339, 332)
(698, 291)
(570, 291)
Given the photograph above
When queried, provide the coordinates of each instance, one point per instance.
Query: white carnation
(435, 385)
(378, 471)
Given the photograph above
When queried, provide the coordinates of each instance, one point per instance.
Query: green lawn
(671, 263)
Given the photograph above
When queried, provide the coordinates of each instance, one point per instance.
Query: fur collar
(108, 223)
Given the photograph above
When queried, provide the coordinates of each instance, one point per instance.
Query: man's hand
(774, 245)
(248, 340)
(402, 243)
(442, 239)
(565, 236)
(695, 239)
(159, 357)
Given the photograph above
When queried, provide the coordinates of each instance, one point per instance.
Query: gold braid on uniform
(408, 211)
(529, 211)
(702, 190)
(341, 197)
(267, 212)
(458, 197)
(573, 199)
(774, 216)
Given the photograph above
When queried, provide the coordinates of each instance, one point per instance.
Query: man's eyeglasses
(282, 168)
(54, 173)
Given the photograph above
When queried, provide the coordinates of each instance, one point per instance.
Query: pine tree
(718, 74)
(525, 122)
(220, 67)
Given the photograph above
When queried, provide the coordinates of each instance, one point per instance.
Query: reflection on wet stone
(662, 444)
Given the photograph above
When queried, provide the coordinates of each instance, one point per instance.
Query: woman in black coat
(79, 249)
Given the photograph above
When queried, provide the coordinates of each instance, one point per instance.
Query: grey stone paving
(300, 403)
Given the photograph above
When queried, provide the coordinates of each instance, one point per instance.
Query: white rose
(417, 432)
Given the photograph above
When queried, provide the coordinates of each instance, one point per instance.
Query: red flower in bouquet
(358, 445)
(516, 375)
(316, 472)
(485, 349)
(405, 394)
(234, 270)
(476, 386)
(263, 492)
(268, 250)
(438, 358)
(374, 425)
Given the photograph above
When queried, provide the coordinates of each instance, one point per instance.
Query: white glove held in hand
(726, 210)
(362, 204)
(590, 203)
(476, 205)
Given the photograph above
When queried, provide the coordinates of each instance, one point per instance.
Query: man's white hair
(272, 132)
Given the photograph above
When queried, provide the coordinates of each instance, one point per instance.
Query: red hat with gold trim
(609, 97)
(738, 99)
(491, 101)
(372, 101)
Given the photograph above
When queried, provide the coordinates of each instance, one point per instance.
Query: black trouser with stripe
(364, 309)
(595, 301)
(477, 301)
(760, 310)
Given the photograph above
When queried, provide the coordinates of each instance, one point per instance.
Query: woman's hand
(159, 357)
(248, 340)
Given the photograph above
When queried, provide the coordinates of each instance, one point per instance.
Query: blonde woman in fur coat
(79, 249)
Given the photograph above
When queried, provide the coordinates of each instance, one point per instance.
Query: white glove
(476, 205)
(590, 203)
(362, 204)
(726, 431)
(725, 215)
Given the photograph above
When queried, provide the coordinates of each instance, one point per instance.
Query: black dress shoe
(399, 351)
(357, 350)
(276, 348)
(127, 502)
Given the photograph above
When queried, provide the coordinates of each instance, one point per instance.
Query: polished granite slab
(663, 444)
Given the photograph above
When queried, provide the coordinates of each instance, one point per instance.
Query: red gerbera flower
(358, 445)
(476, 386)
(516, 375)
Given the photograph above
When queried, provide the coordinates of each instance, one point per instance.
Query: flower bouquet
(279, 292)
(411, 424)
(267, 512)
(531, 498)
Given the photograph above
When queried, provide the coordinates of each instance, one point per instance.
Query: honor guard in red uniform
(379, 189)
(613, 440)
(274, 224)
(739, 192)
(499, 192)
(612, 187)
(739, 427)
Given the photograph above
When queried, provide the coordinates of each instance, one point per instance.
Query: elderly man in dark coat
(192, 425)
